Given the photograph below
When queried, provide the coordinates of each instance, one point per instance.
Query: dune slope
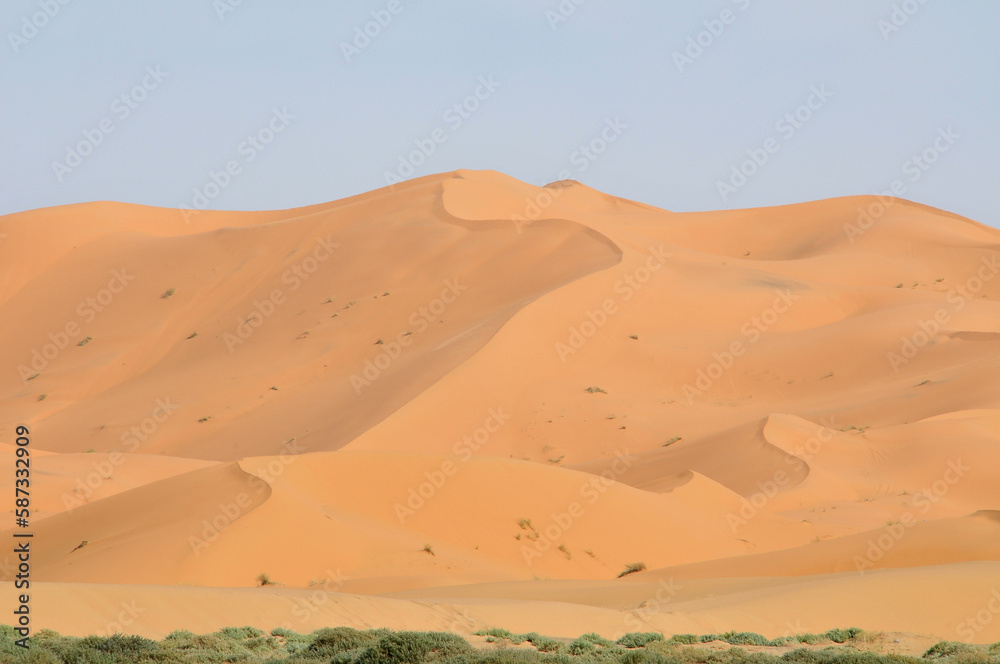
(467, 401)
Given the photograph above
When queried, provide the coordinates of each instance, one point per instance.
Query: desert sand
(466, 402)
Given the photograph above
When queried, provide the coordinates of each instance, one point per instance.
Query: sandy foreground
(467, 402)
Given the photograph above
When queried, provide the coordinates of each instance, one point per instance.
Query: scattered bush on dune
(632, 568)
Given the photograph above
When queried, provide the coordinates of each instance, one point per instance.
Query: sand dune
(486, 399)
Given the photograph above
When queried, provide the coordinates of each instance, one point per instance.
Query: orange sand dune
(67, 481)
(469, 389)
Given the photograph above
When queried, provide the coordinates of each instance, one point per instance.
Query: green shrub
(949, 649)
(589, 643)
(541, 643)
(843, 635)
(495, 633)
(239, 633)
(414, 648)
(643, 656)
(684, 638)
(118, 644)
(203, 647)
(330, 641)
(639, 639)
(745, 639)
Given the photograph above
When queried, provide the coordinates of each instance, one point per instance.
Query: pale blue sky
(685, 127)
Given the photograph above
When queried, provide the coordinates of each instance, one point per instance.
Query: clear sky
(654, 100)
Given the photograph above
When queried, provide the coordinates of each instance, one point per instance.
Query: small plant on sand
(85, 341)
(264, 580)
(632, 568)
(428, 549)
(167, 293)
(595, 390)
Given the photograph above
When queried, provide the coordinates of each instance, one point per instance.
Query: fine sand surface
(467, 402)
